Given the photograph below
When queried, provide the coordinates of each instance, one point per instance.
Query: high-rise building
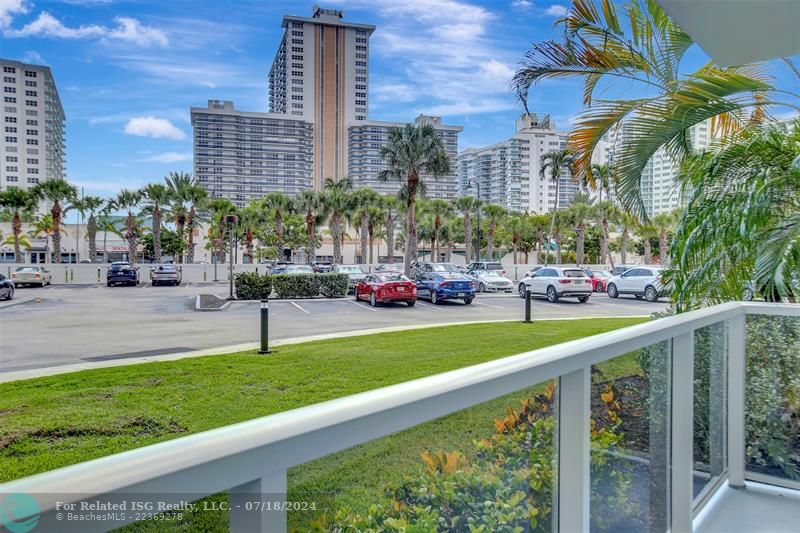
(320, 74)
(365, 139)
(32, 148)
(243, 155)
(509, 171)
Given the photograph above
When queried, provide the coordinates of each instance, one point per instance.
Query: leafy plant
(252, 286)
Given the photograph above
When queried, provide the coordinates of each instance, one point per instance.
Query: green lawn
(55, 421)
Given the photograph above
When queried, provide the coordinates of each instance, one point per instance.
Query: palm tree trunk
(624, 246)
(56, 213)
(157, 233)
(490, 241)
(539, 239)
(180, 227)
(467, 238)
(279, 234)
(337, 242)
(604, 243)
(557, 238)
(411, 230)
(190, 228)
(648, 254)
(514, 248)
(130, 236)
(389, 238)
(91, 233)
(580, 244)
(663, 247)
(364, 235)
(105, 245)
(16, 228)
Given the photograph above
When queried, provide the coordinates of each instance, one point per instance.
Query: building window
(30, 83)
(9, 79)
(297, 49)
(361, 40)
(297, 33)
(361, 79)
(11, 129)
(297, 58)
(31, 93)
(32, 132)
(33, 142)
(10, 90)
(11, 139)
(9, 70)
(297, 106)
(361, 71)
(297, 41)
(361, 63)
(297, 24)
(30, 73)
(32, 103)
(361, 56)
(11, 120)
(33, 180)
(297, 73)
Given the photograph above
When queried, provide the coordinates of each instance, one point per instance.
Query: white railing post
(682, 432)
(574, 432)
(737, 336)
(259, 506)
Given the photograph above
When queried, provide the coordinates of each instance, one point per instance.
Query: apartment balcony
(694, 441)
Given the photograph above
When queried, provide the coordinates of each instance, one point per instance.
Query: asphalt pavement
(63, 325)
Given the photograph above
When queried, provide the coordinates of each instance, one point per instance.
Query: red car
(386, 287)
(599, 279)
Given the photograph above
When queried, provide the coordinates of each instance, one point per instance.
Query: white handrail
(219, 459)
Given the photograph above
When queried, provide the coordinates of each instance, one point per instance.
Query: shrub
(333, 285)
(296, 285)
(252, 286)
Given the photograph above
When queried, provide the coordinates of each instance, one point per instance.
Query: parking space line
(300, 308)
(429, 305)
(489, 305)
(363, 306)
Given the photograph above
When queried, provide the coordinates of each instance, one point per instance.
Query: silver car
(555, 283)
(31, 275)
(354, 273)
(491, 281)
(165, 275)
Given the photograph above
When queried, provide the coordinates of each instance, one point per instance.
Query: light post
(230, 221)
(216, 246)
(478, 217)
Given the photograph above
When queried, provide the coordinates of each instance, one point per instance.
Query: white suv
(639, 281)
(555, 283)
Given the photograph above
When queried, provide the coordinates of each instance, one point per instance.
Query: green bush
(296, 285)
(333, 285)
(252, 286)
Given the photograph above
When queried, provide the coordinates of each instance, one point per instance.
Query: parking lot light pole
(527, 305)
(264, 327)
(230, 221)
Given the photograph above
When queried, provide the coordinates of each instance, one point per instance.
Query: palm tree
(516, 226)
(466, 205)
(127, 200)
(627, 222)
(56, 191)
(606, 212)
(276, 205)
(644, 49)
(580, 214)
(310, 203)
(338, 200)
(441, 211)
(538, 225)
(494, 214)
(251, 221)
(17, 241)
(363, 201)
(413, 153)
(375, 215)
(107, 225)
(90, 205)
(44, 225)
(602, 176)
(189, 197)
(17, 201)
(664, 223)
(647, 232)
(554, 162)
(219, 208)
(390, 206)
(156, 196)
(561, 223)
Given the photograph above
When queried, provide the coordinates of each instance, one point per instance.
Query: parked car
(6, 288)
(322, 266)
(490, 281)
(122, 272)
(390, 267)
(386, 287)
(31, 275)
(419, 268)
(621, 269)
(486, 265)
(438, 285)
(638, 281)
(556, 283)
(599, 279)
(165, 274)
(533, 271)
(353, 272)
(298, 269)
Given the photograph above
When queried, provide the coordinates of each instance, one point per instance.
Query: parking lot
(70, 324)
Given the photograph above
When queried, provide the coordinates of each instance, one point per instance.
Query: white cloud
(521, 5)
(393, 92)
(158, 128)
(33, 57)
(127, 29)
(556, 10)
(168, 157)
(9, 8)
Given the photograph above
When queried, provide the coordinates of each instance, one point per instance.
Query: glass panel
(772, 421)
(487, 468)
(710, 405)
(631, 402)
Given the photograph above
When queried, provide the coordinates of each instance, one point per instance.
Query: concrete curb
(199, 307)
(12, 303)
(7, 377)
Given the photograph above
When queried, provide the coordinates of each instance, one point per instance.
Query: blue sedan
(437, 286)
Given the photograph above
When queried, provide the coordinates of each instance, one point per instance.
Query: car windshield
(28, 269)
(494, 266)
(487, 274)
(602, 273)
(574, 273)
(299, 269)
(445, 267)
(392, 276)
(349, 270)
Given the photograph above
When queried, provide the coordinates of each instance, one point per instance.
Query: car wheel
(650, 294)
(434, 298)
(481, 287)
(748, 294)
(638, 296)
(44, 283)
(612, 291)
(522, 289)
(10, 294)
(372, 300)
(411, 303)
(583, 299)
(552, 295)
(108, 283)
(467, 301)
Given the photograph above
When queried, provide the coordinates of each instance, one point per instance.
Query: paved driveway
(73, 324)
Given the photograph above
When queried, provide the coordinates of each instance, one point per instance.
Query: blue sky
(129, 70)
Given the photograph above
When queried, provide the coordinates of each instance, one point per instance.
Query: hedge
(254, 286)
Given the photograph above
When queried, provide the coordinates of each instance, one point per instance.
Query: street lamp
(230, 222)
(478, 216)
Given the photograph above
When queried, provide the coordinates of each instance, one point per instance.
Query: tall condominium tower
(320, 75)
(32, 148)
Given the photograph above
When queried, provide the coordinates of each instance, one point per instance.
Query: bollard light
(264, 327)
(527, 305)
